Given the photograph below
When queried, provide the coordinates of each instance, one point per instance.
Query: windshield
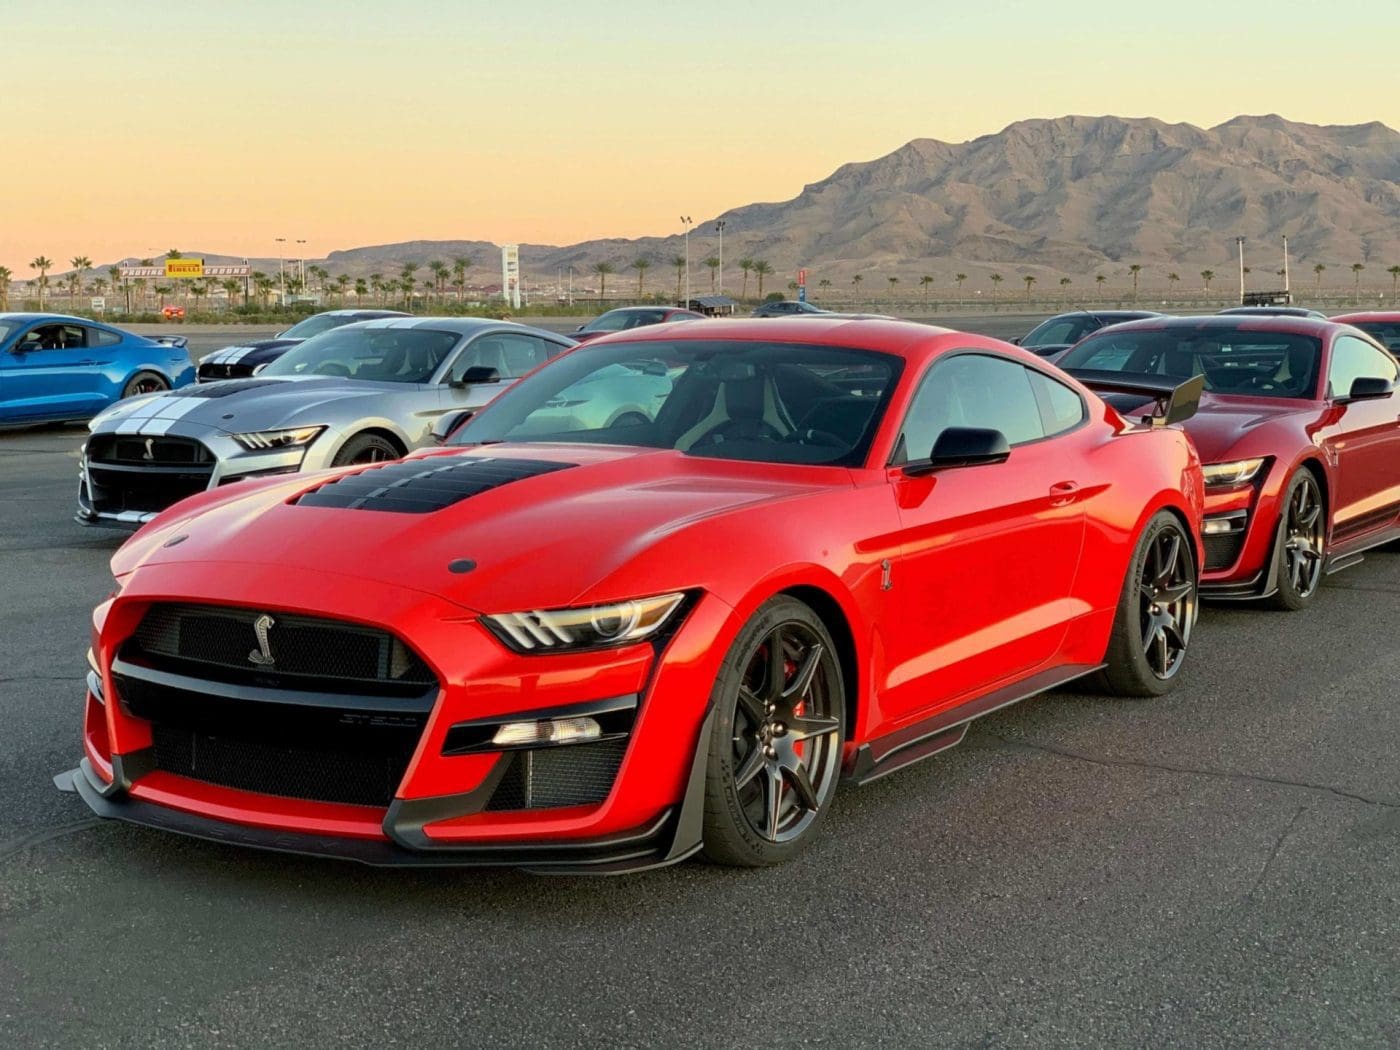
(621, 320)
(1387, 333)
(1061, 331)
(1252, 364)
(765, 402)
(315, 325)
(388, 355)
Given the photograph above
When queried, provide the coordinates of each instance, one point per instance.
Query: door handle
(1063, 492)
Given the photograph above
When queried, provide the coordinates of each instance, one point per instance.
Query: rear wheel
(144, 383)
(774, 753)
(1156, 612)
(366, 448)
(1299, 570)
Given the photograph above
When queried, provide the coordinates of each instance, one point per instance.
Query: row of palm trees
(642, 264)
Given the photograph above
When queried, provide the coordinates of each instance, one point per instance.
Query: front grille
(576, 775)
(306, 652)
(424, 486)
(113, 490)
(1223, 549)
(209, 373)
(135, 450)
(322, 754)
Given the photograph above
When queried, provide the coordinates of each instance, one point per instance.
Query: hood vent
(223, 389)
(423, 486)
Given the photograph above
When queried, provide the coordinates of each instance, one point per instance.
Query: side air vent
(423, 486)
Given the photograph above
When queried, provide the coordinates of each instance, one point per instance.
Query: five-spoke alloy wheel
(1304, 525)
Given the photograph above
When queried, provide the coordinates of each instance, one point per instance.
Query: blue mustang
(56, 369)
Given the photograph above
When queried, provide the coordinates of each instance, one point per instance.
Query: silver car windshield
(722, 399)
(385, 355)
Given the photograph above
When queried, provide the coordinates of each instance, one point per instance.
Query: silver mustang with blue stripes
(356, 394)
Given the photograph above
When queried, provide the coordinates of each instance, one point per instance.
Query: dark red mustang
(1298, 431)
(829, 547)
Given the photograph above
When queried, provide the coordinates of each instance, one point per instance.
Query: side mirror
(476, 374)
(1016, 341)
(580, 328)
(1367, 388)
(449, 423)
(963, 447)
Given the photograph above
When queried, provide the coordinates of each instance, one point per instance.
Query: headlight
(266, 439)
(590, 627)
(1236, 473)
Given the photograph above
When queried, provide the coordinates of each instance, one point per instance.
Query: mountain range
(1073, 196)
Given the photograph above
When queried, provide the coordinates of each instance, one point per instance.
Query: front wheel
(366, 448)
(1156, 612)
(1299, 571)
(774, 754)
(144, 383)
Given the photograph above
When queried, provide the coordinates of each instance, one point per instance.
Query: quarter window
(102, 337)
(1353, 359)
(1060, 407)
(971, 390)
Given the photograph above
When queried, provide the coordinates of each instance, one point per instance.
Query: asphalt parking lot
(1218, 867)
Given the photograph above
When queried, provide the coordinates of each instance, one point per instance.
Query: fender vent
(423, 486)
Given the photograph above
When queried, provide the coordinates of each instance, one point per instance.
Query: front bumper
(445, 809)
(1241, 527)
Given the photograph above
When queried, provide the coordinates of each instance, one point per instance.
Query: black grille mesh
(1223, 549)
(237, 370)
(422, 486)
(137, 450)
(318, 774)
(576, 775)
(301, 646)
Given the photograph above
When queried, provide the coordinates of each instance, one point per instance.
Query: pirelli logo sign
(185, 269)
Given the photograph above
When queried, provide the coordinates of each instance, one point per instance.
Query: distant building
(711, 305)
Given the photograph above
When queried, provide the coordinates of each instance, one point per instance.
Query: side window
(1061, 408)
(1353, 359)
(102, 337)
(509, 353)
(970, 390)
(54, 337)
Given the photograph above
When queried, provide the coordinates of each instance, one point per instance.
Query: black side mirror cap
(963, 447)
(476, 374)
(1016, 341)
(449, 423)
(1367, 388)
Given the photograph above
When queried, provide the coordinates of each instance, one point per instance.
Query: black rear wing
(179, 341)
(1175, 402)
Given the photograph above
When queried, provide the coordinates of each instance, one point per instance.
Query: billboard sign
(184, 268)
(801, 286)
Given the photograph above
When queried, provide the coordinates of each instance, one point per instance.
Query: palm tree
(1135, 269)
(376, 283)
(893, 281)
(361, 288)
(1065, 282)
(1172, 278)
(42, 263)
(641, 265)
(407, 281)
(231, 288)
(5, 276)
(81, 265)
(1207, 276)
(441, 271)
(342, 282)
(763, 270)
(924, 282)
(1394, 272)
(602, 269)
(1030, 280)
(1317, 277)
(264, 284)
(1099, 280)
(162, 290)
(680, 262)
(173, 253)
(823, 284)
(713, 263)
(460, 265)
(855, 282)
(199, 290)
(746, 265)
(996, 280)
(959, 278)
(1356, 269)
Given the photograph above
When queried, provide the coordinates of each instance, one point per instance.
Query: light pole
(685, 219)
(719, 228)
(1239, 241)
(281, 270)
(301, 265)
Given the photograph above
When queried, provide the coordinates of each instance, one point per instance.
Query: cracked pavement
(1217, 867)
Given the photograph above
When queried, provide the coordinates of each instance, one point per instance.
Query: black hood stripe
(417, 487)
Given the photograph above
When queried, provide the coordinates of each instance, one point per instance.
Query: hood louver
(223, 389)
(423, 486)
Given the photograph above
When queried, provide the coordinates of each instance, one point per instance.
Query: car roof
(1132, 314)
(367, 312)
(1391, 316)
(1230, 322)
(459, 325)
(49, 317)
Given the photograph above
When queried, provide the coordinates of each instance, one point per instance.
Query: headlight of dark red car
(585, 627)
(1236, 473)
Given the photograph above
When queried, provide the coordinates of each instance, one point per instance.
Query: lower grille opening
(577, 775)
(113, 491)
(320, 754)
(1223, 550)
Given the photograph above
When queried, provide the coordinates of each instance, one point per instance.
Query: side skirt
(906, 746)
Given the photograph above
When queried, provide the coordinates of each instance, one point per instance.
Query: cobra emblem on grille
(262, 655)
(150, 449)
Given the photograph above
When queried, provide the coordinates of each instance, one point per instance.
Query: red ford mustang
(1299, 433)
(554, 646)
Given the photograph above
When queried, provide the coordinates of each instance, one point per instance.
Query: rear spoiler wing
(1175, 402)
(179, 341)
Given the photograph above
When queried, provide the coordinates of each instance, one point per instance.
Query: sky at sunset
(135, 126)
